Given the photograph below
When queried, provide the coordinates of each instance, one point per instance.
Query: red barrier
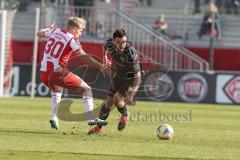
(225, 58)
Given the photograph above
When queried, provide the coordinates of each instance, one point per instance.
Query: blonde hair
(76, 22)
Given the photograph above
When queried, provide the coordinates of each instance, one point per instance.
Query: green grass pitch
(201, 132)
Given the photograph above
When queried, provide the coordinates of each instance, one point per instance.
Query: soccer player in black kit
(125, 78)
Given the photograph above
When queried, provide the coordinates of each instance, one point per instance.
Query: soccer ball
(165, 132)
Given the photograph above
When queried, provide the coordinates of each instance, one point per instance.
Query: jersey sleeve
(75, 45)
(109, 45)
(135, 61)
(49, 32)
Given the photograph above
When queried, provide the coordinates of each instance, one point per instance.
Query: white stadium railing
(103, 21)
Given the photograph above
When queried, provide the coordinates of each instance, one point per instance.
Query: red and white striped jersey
(58, 49)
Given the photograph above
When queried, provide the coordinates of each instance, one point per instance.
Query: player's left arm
(137, 69)
(137, 76)
(136, 82)
(90, 60)
(133, 90)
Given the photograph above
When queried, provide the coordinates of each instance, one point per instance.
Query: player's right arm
(105, 54)
(43, 32)
(108, 47)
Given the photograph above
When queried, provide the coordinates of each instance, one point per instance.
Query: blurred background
(198, 40)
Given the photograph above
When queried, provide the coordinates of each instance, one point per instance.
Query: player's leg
(121, 88)
(103, 115)
(106, 108)
(73, 82)
(119, 102)
(56, 98)
(56, 94)
(88, 104)
(87, 99)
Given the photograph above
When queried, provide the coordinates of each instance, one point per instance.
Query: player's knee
(118, 102)
(56, 96)
(87, 91)
(109, 102)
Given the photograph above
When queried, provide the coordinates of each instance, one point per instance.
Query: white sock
(56, 98)
(88, 105)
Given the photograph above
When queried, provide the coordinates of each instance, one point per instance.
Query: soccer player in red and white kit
(54, 73)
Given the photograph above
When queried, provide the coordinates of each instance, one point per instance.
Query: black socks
(123, 110)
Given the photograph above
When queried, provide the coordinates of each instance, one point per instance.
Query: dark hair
(119, 33)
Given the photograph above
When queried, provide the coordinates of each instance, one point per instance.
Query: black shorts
(120, 85)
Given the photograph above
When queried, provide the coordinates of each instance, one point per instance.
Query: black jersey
(127, 62)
